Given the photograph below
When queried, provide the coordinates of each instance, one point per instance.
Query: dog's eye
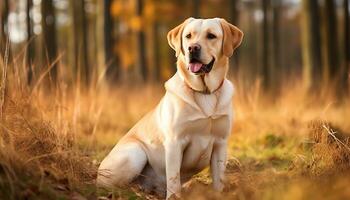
(188, 36)
(211, 36)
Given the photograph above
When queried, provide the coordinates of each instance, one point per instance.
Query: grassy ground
(295, 146)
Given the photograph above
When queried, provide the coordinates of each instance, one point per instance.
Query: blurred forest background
(125, 40)
(76, 75)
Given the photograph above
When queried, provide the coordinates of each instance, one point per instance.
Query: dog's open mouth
(197, 67)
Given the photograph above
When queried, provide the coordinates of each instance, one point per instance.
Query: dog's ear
(174, 37)
(232, 37)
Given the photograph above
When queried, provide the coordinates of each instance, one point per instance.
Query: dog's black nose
(194, 48)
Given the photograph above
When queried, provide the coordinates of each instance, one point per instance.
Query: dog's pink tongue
(195, 67)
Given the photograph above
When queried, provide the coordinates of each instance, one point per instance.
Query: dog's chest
(207, 103)
(197, 153)
(200, 141)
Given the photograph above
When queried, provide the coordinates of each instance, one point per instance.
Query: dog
(189, 128)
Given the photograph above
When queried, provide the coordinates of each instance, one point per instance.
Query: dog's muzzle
(198, 68)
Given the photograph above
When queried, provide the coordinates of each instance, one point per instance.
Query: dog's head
(202, 43)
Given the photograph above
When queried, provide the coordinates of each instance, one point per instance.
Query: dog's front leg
(218, 164)
(173, 157)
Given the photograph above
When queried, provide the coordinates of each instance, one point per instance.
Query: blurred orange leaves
(126, 11)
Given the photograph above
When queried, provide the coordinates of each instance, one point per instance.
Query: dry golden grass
(294, 146)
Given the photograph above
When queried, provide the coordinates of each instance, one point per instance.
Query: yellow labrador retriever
(189, 128)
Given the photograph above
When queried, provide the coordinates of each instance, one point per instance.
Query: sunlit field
(290, 146)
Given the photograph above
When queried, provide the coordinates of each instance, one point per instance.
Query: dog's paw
(218, 187)
(173, 196)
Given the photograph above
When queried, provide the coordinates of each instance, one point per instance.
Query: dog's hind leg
(123, 164)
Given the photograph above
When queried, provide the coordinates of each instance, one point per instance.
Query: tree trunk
(111, 60)
(100, 42)
(156, 50)
(311, 44)
(196, 8)
(346, 72)
(234, 19)
(5, 50)
(315, 42)
(49, 36)
(276, 29)
(266, 45)
(331, 41)
(306, 44)
(141, 41)
(80, 42)
(30, 49)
